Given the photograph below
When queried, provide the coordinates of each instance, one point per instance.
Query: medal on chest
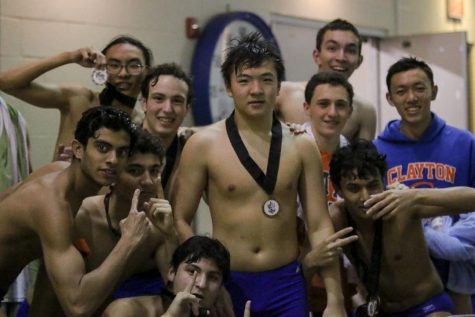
(268, 180)
(372, 308)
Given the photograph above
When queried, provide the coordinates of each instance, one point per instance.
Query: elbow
(78, 309)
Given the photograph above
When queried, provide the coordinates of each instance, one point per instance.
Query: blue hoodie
(444, 156)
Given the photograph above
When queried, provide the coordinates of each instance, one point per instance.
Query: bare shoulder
(362, 105)
(291, 93)
(52, 167)
(207, 135)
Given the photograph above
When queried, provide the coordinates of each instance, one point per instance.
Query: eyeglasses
(132, 68)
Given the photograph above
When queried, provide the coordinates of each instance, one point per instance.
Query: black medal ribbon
(109, 93)
(170, 162)
(371, 274)
(265, 181)
(114, 231)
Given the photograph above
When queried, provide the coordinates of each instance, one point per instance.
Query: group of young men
(129, 252)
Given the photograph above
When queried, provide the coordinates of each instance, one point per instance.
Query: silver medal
(271, 207)
(99, 76)
(373, 307)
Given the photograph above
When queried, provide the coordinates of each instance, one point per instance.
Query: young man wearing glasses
(124, 59)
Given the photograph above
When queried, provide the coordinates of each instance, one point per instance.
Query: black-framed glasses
(132, 68)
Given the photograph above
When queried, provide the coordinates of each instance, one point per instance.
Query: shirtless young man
(125, 59)
(37, 218)
(257, 225)
(197, 272)
(408, 283)
(338, 49)
(166, 98)
(98, 219)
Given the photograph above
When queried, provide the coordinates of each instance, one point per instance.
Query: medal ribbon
(170, 162)
(109, 93)
(371, 274)
(265, 181)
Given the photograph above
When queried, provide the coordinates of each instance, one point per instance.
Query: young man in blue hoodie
(423, 151)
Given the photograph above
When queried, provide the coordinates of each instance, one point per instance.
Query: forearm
(331, 278)
(184, 230)
(164, 253)
(22, 76)
(85, 293)
(453, 198)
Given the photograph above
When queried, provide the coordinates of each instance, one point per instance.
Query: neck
(119, 208)
(79, 185)
(326, 144)
(255, 124)
(416, 130)
(165, 140)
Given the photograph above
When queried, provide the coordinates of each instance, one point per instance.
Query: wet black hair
(201, 247)
(104, 117)
(251, 51)
(360, 156)
(147, 143)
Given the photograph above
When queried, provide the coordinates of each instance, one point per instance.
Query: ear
(143, 103)
(306, 108)
(171, 274)
(316, 57)
(435, 90)
(78, 149)
(360, 61)
(388, 98)
(228, 90)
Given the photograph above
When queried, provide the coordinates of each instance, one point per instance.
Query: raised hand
(88, 57)
(329, 250)
(136, 227)
(184, 302)
(159, 211)
(385, 205)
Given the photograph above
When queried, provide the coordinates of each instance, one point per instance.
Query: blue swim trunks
(147, 283)
(441, 302)
(276, 293)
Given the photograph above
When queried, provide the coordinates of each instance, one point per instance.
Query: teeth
(166, 120)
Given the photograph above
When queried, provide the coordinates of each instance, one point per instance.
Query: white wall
(32, 29)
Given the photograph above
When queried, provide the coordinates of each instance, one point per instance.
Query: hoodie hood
(392, 131)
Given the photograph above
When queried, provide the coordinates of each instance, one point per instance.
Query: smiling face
(208, 283)
(165, 106)
(254, 89)
(104, 155)
(411, 93)
(126, 54)
(329, 109)
(338, 53)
